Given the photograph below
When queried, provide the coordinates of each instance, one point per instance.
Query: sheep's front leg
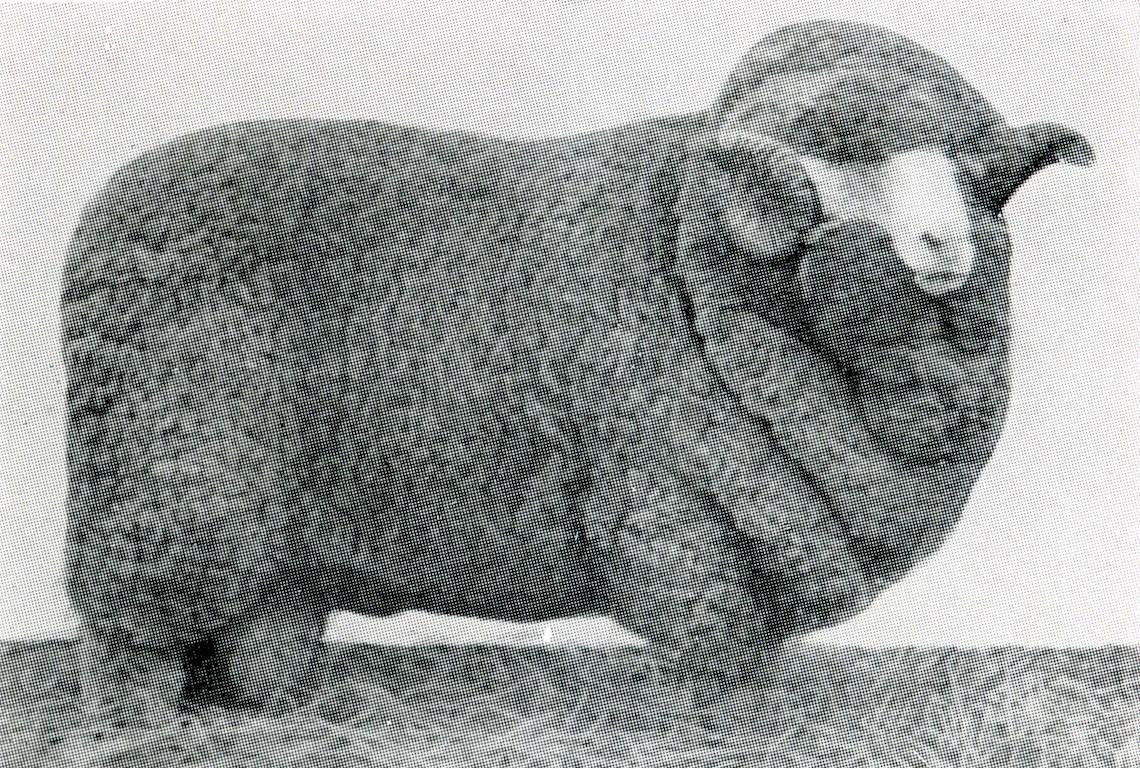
(277, 648)
(126, 684)
(678, 575)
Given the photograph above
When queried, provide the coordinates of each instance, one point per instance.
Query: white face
(914, 196)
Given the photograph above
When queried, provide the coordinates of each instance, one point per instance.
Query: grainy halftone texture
(324, 365)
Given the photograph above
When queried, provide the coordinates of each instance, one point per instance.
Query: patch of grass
(588, 708)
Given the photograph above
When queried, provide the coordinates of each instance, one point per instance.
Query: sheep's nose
(946, 266)
(933, 241)
(940, 283)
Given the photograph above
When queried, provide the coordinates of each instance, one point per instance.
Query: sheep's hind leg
(678, 576)
(275, 650)
(125, 684)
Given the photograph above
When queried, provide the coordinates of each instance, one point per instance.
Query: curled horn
(1001, 170)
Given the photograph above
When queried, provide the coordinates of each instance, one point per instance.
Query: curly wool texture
(277, 332)
(850, 92)
(931, 378)
(321, 365)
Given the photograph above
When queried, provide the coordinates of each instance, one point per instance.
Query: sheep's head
(827, 125)
(886, 132)
(841, 241)
(917, 198)
(931, 202)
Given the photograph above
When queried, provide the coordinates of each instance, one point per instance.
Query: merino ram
(721, 376)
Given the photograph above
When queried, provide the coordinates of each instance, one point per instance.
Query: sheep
(686, 372)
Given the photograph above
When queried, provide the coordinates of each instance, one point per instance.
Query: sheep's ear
(745, 206)
(999, 172)
(767, 199)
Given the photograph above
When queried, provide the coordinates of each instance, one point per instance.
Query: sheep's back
(439, 238)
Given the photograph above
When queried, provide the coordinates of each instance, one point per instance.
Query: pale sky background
(1048, 551)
